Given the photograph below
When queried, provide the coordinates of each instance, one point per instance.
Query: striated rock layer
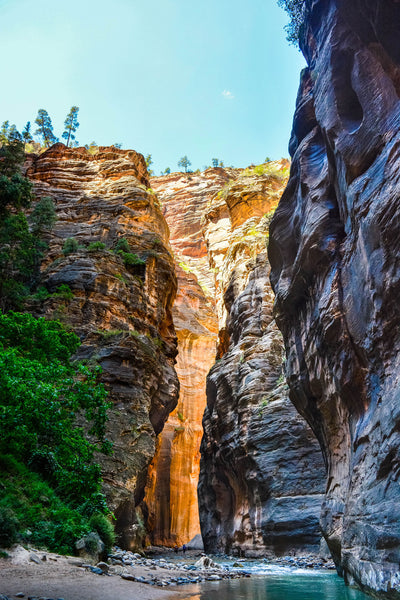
(336, 271)
(262, 474)
(120, 309)
(171, 494)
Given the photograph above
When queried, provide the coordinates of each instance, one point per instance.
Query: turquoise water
(280, 585)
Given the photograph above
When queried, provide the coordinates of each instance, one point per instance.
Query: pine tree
(26, 134)
(45, 128)
(71, 125)
(4, 131)
(184, 162)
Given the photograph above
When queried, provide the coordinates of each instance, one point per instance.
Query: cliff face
(335, 269)
(120, 306)
(262, 475)
(171, 494)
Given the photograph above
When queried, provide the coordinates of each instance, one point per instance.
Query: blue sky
(168, 77)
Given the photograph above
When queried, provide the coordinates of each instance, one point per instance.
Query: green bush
(41, 395)
(104, 528)
(64, 292)
(95, 246)
(130, 259)
(9, 527)
(70, 245)
(122, 245)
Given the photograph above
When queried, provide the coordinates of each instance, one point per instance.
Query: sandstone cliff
(262, 474)
(171, 495)
(335, 258)
(119, 304)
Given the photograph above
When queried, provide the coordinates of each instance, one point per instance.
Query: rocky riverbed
(36, 575)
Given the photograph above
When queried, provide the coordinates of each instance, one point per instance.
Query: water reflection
(318, 586)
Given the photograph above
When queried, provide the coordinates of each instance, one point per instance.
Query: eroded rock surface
(121, 311)
(335, 269)
(171, 495)
(262, 474)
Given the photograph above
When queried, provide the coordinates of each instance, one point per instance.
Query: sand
(58, 578)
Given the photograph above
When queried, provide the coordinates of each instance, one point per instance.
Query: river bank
(33, 574)
(38, 575)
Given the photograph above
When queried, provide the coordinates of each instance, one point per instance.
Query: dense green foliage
(52, 420)
(21, 247)
(295, 9)
(70, 245)
(32, 511)
(99, 522)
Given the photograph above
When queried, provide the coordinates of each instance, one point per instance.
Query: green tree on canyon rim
(45, 128)
(184, 162)
(295, 9)
(71, 125)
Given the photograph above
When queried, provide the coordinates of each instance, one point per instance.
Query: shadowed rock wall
(121, 312)
(262, 474)
(336, 272)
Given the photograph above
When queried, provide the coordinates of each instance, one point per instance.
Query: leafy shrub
(130, 259)
(64, 292)
(41, 395)
(43, 215)
(70, 245)
(9, 526)
(101, 524)
(95, 246)
(295, 9)
(41, 294)
(122, 245)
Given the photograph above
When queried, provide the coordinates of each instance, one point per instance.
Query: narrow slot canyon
(256, 486)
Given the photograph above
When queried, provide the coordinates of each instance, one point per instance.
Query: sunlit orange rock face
(171, 496)
(121, 312)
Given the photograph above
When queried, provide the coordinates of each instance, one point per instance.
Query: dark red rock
(335, 262)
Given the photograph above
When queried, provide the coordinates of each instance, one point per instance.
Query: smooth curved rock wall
(335, 262)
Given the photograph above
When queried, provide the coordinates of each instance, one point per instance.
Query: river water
(279, 583)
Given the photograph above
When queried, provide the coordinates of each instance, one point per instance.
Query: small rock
(44, 558)
(128, 577)
(90, 545)
(103, 566)
(20, 595)
(96, 570)
(34, 558)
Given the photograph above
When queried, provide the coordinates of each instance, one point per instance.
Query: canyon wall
(171, 495)
(262, 475)
(119, 304)
(335, 262)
